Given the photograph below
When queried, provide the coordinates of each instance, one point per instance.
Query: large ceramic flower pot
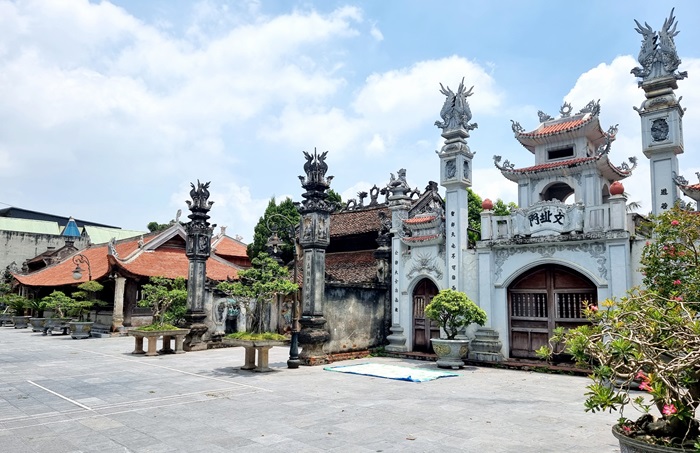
(20, 322)
(451, 353)
(80, 330)
(37, 324)
(632, 445)
(56, 324)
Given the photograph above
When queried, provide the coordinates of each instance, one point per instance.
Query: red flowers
(676, 282)
(674, 222)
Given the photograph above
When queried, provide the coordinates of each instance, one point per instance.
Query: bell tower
(661, 113)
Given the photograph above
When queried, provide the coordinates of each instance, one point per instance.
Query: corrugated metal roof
(102, 235)
(29, 226)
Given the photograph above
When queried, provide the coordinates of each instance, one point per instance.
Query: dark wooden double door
(544, 298)
(423, 328)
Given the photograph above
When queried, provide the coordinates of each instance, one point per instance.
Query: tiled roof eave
(422, 240)
(520, 173)
(611, 171)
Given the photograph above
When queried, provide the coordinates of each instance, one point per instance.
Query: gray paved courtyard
(63, 395)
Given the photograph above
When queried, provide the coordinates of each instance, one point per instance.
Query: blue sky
(109, 110)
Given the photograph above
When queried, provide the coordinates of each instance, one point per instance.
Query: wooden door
(423, 328)
(545, 298)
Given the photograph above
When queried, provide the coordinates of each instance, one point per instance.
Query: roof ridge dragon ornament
(658, 55)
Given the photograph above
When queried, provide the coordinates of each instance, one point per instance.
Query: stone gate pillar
(197, 249)
(314, 237)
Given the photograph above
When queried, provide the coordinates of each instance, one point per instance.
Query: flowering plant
(650, 340)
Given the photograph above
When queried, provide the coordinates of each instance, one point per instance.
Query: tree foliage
(167, 299)
(86, 299)
(155, 226)
(474, 214)
(671, 261)
(257, 286)
(282, 218)
(500, 207)
(60, 303)
(651, 337)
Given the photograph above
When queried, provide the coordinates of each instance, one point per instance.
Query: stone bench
(152, 337)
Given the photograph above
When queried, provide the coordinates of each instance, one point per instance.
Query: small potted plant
(453, 310)
(650, 341)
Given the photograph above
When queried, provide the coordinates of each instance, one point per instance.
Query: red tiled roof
(173, 263)
(357, 221)
(551, 165)
(546, 129)
(351, 267)
(419, 220)
(165, 261)
(227, 246)
(421, 238)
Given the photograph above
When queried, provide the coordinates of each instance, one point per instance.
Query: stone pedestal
(312, 337)
(193, 340)
(397, 340)
(486, 346)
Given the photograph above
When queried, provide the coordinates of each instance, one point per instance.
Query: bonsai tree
(651, 340)
(453, 310)
(85, 299)
(160, 295)
(60, 303)
(257, 286)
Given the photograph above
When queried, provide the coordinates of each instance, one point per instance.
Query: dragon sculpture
(455, 112)
(658, 55)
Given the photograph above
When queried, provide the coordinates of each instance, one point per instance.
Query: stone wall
(19, 246)
(357, 316)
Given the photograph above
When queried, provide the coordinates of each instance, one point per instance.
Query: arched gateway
(423, 328)
(541, 299)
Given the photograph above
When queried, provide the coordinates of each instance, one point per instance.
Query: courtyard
(64, 395)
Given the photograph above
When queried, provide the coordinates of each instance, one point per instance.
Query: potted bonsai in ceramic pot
(37, 320)
(84, 300)
(166, 298)
(254, 291)
(60, 304)
(650, 340)
(453, 310)
(18, 305)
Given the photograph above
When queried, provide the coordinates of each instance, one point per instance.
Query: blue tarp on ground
(401, 373)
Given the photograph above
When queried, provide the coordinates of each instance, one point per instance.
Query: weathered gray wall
(357, 316)
(18, 247)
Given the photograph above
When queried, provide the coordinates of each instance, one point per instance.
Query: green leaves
(161, 295)
(453, 310)
(259, 284)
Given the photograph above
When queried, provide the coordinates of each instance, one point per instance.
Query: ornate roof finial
(565, 110)
(658, 55)
(455, 112)
(543, 116)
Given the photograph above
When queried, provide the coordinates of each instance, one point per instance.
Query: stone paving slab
(64, 395)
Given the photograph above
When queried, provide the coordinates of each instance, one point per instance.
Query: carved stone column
(198, 249)
(661, 113)
(399, 204)
(314, 237)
